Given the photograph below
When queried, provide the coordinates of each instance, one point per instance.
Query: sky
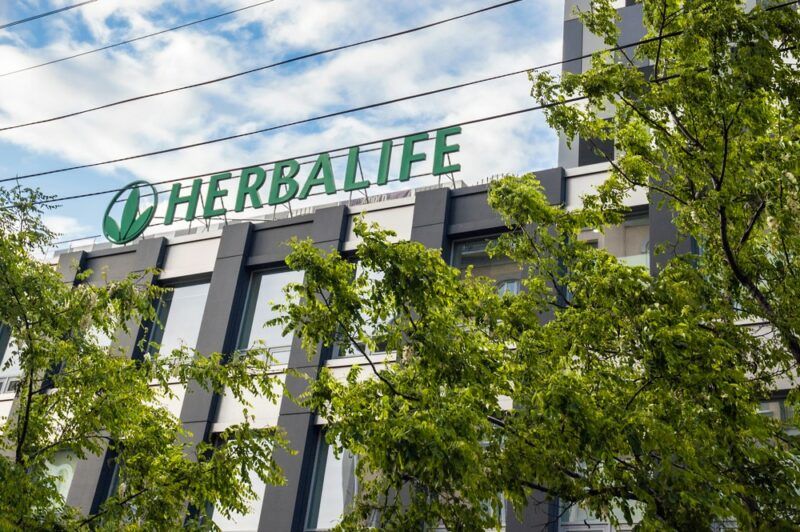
(509, 38)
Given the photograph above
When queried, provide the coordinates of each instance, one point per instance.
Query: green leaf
(141, 222)
(129, 213)
(111, 229)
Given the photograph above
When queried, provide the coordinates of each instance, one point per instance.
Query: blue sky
(518, 36)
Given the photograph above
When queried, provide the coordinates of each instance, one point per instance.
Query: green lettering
(386, 159)
(246, 189)
(442, 148)
(409, 157)
(350, 182)
(280, 178)
(214, 193)
(322, 164)
(176, 199)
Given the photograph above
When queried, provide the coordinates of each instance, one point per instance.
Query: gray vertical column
(219, 326)
(89, 472)
(664, 233)
(284, 507)
(431, 216)
(540, 514)
(70, 265)
(572, 48)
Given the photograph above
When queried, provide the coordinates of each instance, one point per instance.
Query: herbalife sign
(125, 218)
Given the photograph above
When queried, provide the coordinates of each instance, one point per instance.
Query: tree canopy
(634, 395)
(79, 396)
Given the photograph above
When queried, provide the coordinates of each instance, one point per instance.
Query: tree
(78, 397)
(634, 396)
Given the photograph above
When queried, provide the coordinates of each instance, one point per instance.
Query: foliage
(78, 397)
(634, 396)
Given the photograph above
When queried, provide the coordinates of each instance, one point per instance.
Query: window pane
(334, 487)
(9, 362)
(265, 291)
(629, 242)
(62, 467)
(244, 522)
(348, 350)
(473, 253)
(181, 313)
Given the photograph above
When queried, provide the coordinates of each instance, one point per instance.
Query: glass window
(62, 467)
(629, 242)
(266, 290)
(9, 362)
(247, 522)
(334, 487)
(776, 409)
(347, 350)
(578, 518)
(180, 313)
(598, 151)
(505, 271)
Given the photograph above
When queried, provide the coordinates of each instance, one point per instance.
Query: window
(505, 271)
(776, 409)
(345, 349)
(247, 522)
(62, 467)
(333, 487)
(629, 242)
(180, 313)
(578, 518)
(509, 286)
(9, 362)
(266, 289)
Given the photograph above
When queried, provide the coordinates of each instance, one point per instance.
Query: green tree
(637, 396)
(77, 397)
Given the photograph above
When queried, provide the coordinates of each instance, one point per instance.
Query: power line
(315, 154)
(270, 128)
(42, 15)
(493, 117)
(320, 193)
(261, 68)
(129, 41)
(330, 115)
(178, 179)
(339, 113)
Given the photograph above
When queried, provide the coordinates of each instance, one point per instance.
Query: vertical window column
(284, 507)
(90, 479)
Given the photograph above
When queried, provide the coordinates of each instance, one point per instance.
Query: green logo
(133, 222)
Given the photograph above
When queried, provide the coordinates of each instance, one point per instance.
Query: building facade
(223, 280)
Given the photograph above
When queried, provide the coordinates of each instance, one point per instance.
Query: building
(224, 277)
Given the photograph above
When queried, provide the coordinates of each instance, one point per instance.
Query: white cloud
(65, 226)
(460, 51)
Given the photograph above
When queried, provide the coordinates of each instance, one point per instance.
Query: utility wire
(42, 15)
(271, 128)
(261, 68)
(330, 115)
(315, 154)
(339, 113)
(474, 121)
(319, 193)
(129, 41)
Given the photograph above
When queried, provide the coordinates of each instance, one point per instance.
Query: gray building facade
(223, 278)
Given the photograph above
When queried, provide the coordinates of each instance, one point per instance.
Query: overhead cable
(315, 154)
(47, 14)
(379, 104)
(259, 69)
(319, 193)
(135, 39)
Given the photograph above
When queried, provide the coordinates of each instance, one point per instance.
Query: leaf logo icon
(133, 222)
